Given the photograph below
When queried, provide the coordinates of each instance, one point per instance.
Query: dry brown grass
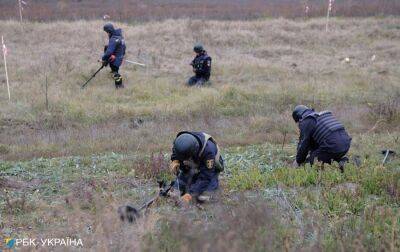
(261, 70)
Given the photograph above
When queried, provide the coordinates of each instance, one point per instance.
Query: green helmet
(198, 48)
(298, 112)
(186, 146)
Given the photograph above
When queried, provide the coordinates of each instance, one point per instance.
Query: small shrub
(154, 166)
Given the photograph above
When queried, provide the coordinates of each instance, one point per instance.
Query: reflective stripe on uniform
(117, 77)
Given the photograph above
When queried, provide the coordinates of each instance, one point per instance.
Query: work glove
(104, 63)
(174, 166)
(184, 201)
(186, 198)
(112, 58)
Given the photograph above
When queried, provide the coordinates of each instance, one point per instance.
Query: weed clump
(154, 166)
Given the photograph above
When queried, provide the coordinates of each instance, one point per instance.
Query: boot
(342, 162)
(203, 198)
(118, 81)
(206, 197)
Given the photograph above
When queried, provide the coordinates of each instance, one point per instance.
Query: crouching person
(197, 160)
(201, 67)
(322, 137)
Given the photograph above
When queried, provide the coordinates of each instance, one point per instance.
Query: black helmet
(109, 28)
(299, 111)
(198, 48)
(186, 146)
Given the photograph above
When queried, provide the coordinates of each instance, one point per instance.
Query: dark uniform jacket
(116, 46)
(206, 178)
(322, 132)
(202, 66)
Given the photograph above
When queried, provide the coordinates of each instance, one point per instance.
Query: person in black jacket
(322, 137)
(114, 52)
(201, 66)
(197, 161)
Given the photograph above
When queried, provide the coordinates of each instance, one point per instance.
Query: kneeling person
(197, 159)
(201, 66)
(321, 135)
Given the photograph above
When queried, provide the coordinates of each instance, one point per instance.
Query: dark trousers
(117, 76)
(205, 180)
(114, 69)
(325, 157)
(197, 80)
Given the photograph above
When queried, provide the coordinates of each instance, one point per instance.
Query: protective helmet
(186, 146)
(109, 28)
(198, 48)
(298, 112)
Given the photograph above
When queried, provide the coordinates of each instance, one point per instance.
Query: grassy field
(262, 69)
(262, 204)
(66, 167)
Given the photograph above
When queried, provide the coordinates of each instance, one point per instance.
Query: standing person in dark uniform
(201, 66)
(197, 159)
(322, 136)
(114, 52)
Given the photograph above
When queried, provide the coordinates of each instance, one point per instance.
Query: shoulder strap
(324, 112)
(218, 160)
(206, 138)
(313, 115)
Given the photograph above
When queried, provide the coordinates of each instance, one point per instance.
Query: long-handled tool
(98, 70)
(162, 193)
(133, 62)
(136, 63)
(131, 213)
(387, 153)
(129, 61)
